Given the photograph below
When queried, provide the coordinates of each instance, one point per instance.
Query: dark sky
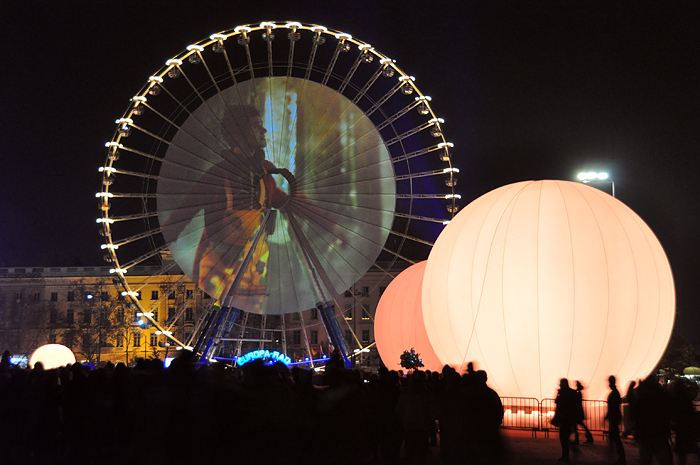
(529, 90)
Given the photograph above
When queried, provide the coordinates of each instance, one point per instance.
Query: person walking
(614, 418)
(565, 416)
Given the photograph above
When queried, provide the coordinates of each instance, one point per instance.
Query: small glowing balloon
(52, 356)
(541, 280)
(398, 321)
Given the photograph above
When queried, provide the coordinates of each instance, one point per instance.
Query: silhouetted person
(565, 414)
(581, 416)
(628, 406)
(614, 418)
(485, 413)
(416, 411)
(684, 418)
(652, 422)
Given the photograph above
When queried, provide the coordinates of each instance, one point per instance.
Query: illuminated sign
(265, 355)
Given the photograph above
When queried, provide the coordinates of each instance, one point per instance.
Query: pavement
(524, 449)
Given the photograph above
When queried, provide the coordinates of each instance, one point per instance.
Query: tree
(96, 322)
(678, 355)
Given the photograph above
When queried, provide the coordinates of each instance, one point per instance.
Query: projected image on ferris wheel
(270, 183)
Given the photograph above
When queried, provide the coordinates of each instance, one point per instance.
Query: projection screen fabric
(276, 194)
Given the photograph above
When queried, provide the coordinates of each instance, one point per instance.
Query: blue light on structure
(265, 355)
(88, 297)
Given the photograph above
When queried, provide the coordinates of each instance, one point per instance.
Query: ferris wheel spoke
(341, 46)
(393, 118)
(350, 74)
(408, 134)
(379, 103)
(293, 36)
(153, 253)
(137, 237)
(137, 195)
(366, 87)
(317, 40)
(421, 218)
(411, 238)
(142, 153)
(135, 216)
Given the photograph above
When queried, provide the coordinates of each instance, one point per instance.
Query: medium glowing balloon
(398, 321)
(52, 356)
(541, 280)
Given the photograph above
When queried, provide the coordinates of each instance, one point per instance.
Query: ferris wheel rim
(120, 269)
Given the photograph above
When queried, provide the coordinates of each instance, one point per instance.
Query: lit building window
(154, 295)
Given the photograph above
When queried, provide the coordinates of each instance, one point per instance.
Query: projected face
(273, 189)
(259, 131)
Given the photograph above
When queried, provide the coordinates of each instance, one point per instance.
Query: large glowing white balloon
(398, 321)
(52, 356)
(540, 280)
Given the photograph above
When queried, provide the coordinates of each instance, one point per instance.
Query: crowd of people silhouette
(270, 414)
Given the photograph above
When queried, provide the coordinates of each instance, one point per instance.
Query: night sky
(528, 90)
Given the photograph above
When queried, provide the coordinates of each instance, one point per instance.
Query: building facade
(86, 309)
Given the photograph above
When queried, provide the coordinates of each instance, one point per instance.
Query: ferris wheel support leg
(333, 329)
(220, 322)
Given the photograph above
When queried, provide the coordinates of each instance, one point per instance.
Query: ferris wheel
(275, 165)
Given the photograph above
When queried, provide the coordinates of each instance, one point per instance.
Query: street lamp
(596, 177)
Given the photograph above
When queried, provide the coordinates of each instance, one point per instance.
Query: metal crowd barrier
(529, 413)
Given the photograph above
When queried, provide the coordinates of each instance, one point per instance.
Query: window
(171, 313)
(18, 297)
(154, 295)
(205, 295)
(314, 336)
(70, 297)
(52, 339)
(348, 293)
(37, 296)
(54, 297)
(120, 341)
(348, 311)
(365, 336)
(314, 314)
(105, 297)
(365, 291)
(296, 316)
(172, 295)
(365, 311)
(137, 339)
(381, 290)
(189, 293)
(120, 314)
(296, 337)
(86, 341)
(70, 317)
(189, 314)
(348, 337)
(139, 296)
(53, 316)
(155, 315)
(68, 340)
(154, 339)
(2, 297)
(87, 317)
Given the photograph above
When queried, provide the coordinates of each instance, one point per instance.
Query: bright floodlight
(603, 176)
(52, 356)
